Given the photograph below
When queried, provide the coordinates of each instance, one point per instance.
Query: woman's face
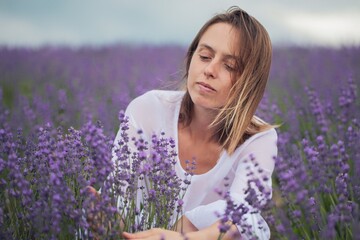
(213, 67)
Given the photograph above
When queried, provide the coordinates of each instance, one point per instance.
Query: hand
(95, 219)
(92, 198)
(211, 232)
(184, 225)
(155, 234)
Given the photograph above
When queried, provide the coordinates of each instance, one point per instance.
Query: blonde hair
(236, 121)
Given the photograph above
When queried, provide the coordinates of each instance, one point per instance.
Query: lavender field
(59, 114)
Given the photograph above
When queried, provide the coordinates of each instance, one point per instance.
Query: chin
(203, 103)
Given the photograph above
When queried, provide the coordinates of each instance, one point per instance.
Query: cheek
(188, 82)
(191, 78)
(227, 83)
(195, 66)
(226, 91)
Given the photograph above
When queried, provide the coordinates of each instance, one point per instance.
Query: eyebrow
(227, 56)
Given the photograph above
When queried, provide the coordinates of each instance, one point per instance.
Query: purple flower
(317, 109)
(61, 86)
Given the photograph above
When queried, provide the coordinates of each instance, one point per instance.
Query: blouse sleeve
(131, 131)
(255, 162)
(135, 116)
(140, 114)
(133, 128)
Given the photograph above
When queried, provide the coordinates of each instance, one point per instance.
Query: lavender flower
(45, 169)
(237, 211)
(143, 185)
(317, 110)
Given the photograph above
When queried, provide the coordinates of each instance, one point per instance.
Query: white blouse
(158, 111)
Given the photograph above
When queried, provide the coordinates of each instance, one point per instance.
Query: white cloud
(17, 31)
(77, 22)
(328, 29)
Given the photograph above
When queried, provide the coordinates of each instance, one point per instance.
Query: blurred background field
(68, 85)
(64, 85)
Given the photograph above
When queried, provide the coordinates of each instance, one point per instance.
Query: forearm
(209, 233)
(212, 232)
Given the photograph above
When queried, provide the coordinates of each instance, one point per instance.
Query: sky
(34, 23)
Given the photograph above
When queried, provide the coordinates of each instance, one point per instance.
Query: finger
(91, 191)
(93, 217)
(138, 235)
(127, 235)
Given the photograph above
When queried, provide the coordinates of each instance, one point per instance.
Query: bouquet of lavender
(44, 177)
(143, 185)
(257, 198)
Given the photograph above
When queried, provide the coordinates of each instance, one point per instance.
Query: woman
(213, 121)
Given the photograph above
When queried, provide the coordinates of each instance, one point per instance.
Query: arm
(211, 232)
(263, 149)
(190, 233)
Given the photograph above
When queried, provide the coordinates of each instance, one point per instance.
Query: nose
(210, 70)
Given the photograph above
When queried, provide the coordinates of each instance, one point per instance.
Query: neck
(200, 122)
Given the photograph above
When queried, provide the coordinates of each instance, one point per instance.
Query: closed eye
(230, 68)
(204, 57)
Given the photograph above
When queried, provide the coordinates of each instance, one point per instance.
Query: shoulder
(262, 147)
(154, 111)
(155, 99)
(262, 129)
(265, 141)
(269, 136)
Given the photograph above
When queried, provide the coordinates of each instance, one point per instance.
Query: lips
(206, 86)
